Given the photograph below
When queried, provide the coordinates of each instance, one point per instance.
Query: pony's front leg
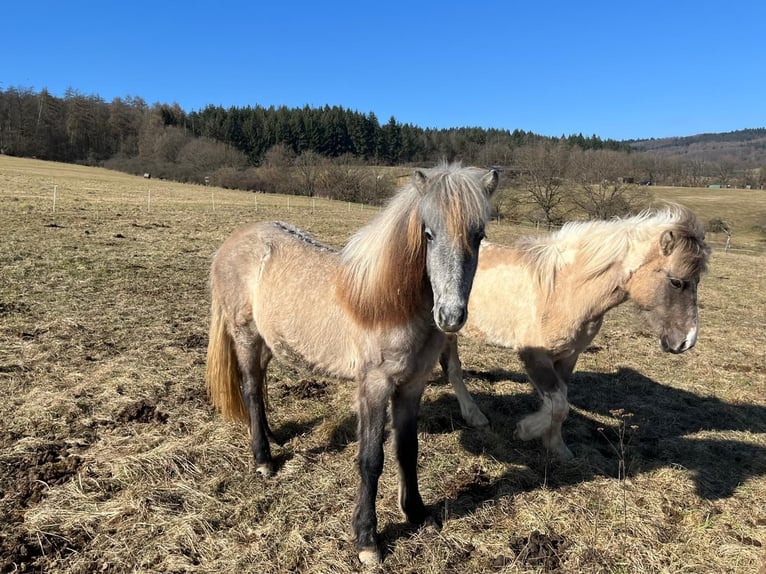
(546, 422)
(450, 363)
(372, 401)
(405, 405)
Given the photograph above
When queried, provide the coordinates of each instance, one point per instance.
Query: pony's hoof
(431, 524)
(563, 453)
(522, 433)
(369, 556)
(476, 419)
(266, 470)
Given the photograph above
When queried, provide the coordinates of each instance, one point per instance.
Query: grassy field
(113, 460)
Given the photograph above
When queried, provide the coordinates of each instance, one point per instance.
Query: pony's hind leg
(253, 357)
(450, 363)
(266, 356)
(546, 423)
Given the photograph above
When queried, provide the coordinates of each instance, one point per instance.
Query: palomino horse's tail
(222, 377)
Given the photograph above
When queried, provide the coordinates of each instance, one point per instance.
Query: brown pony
(375, 312)
(546, 299)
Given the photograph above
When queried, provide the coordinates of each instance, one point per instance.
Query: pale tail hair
(222, 376)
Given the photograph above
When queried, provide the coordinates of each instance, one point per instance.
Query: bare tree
(725, 170)
(542, 168)
(278, 157)
(200, 157)
(604, 188)
(308, 165)
(694, 170)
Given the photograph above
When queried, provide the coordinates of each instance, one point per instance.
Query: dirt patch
(305, 389)
(25, 479)
(536, 550)
(472, 482)
(195, 341)
(142, 411)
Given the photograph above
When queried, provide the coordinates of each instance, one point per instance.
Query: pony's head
(429, 233)
(453, 212)
(665, 285)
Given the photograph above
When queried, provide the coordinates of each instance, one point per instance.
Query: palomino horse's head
(453, 213)
(665, 287)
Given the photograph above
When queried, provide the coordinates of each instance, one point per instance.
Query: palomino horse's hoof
(265, 470)
(369, 556)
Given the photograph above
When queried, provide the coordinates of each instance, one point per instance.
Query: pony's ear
(667, 242)
(419, 180)
(489, 182)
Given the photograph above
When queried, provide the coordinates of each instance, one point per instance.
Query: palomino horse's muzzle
(680, 343)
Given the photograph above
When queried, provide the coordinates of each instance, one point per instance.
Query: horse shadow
(650, 426)
(661, 427)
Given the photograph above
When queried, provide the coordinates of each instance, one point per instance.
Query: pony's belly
(326, 361)
(501, 337)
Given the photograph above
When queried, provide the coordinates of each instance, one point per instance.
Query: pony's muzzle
(451, 319)
(679, 342)
(677, 348)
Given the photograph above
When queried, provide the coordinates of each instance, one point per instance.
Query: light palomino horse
(546, 298)
(376, 312)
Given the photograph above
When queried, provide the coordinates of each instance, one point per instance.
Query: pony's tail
(222, 377)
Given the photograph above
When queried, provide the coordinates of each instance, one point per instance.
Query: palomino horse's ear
(667, 242)
(489, 181)
(419, 180)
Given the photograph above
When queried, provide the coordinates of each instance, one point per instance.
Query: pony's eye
(429, 234)
(676, 283)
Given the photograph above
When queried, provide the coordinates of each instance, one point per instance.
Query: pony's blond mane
(601, 244)
(382, 276)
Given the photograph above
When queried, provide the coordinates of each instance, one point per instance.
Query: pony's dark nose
(676, 348)
(451, 320)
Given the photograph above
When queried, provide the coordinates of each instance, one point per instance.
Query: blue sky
(616, 69)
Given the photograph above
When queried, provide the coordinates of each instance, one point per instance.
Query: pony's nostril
(675, 349)
(451, 321)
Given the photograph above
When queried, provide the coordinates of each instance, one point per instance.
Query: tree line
(86, 129)
(336, 152)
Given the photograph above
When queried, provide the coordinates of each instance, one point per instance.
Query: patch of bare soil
(24, 480)
(536, 550)
(26, 477)
(141, 411)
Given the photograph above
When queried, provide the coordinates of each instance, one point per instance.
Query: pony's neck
(590, 290)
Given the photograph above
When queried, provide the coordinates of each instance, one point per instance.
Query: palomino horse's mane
(382, 274)
(602, 243)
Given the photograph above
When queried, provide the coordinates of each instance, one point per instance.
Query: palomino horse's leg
(552, 437)
(450, 363)
(405, 405)
(373, 394)
(546, 422)
(250, 356)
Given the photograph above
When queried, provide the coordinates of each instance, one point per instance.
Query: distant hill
(744, 147)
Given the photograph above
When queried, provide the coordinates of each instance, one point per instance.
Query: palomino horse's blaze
(376, 312)
(546, 298)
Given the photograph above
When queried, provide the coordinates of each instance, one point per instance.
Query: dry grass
(112, 459)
